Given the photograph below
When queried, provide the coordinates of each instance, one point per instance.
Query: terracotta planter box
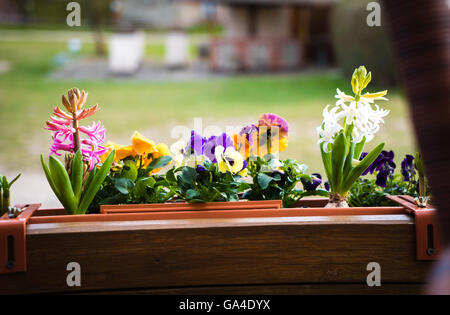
(230, 248)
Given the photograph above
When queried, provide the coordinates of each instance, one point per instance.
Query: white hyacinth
(349, 111)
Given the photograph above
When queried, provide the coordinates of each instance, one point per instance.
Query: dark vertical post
(420, 33)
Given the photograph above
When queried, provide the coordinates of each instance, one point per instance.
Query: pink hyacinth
(91, 148)
(68, 136)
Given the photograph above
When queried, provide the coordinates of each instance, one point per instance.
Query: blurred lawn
(27, 96)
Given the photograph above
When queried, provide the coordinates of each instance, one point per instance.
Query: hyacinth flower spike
(76, 182)
(343, 133)
(68, 134)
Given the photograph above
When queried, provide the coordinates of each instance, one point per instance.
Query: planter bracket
(428, 242)
(13, 240)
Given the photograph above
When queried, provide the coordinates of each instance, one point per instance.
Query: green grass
(27, 96)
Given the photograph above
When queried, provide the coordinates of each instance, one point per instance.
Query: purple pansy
(316, 181)
(383, 161)
(200, 168)
(327, 185)
(209, 149)
(270, 119)
(248, 131)
(408, 167)
(195, 144)
(384, 166)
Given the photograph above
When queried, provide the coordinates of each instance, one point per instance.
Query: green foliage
(423, 184)
(69, 189)
(278, 180)
(5, 194)
(341, 163)
(205, 184)
(130, 183)
(366, 193)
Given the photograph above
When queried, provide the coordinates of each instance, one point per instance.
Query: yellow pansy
(122, 151)
(273, 134)
(229, 160)
(161, 150)
(141, 145)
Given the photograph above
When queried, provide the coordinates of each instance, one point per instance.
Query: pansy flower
(273, 132)
(223, 140)
(384, 166)
(384, 160)
(245, 140)
(140, 146)
(408, 167)
(195, 144)
(316, 180)
(230, 160)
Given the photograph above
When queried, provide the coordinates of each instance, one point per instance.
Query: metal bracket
(428, 242)
(13, 240)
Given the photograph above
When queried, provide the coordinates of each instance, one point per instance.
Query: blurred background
(152, 65)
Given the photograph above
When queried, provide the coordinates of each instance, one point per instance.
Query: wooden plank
(279, 289)
(110, 226)
(183, 206)
(253, 251)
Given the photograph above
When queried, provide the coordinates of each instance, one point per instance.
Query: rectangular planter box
(200, 249)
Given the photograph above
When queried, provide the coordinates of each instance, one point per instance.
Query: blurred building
(272, 35)
(165, 14)
(12, 11)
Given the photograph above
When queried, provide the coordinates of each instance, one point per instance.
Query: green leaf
(349, 160)
(338, 154)
(326, 160)
(96, 183)
(123, 185)
(140, 188)
(356, 172)
(170, 175)
(50, 179)
(191, 194)
(89, 180)
(62, 181)
(148, 181)
(77, 175)
(12, 182)
(264, 180)
(359, 147)
(129, 170)
(188, 175)
(159, 162)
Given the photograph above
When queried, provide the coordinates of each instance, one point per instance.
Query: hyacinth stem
(76, 134)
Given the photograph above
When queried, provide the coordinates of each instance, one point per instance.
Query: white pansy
(228, 159)
(177, 150)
